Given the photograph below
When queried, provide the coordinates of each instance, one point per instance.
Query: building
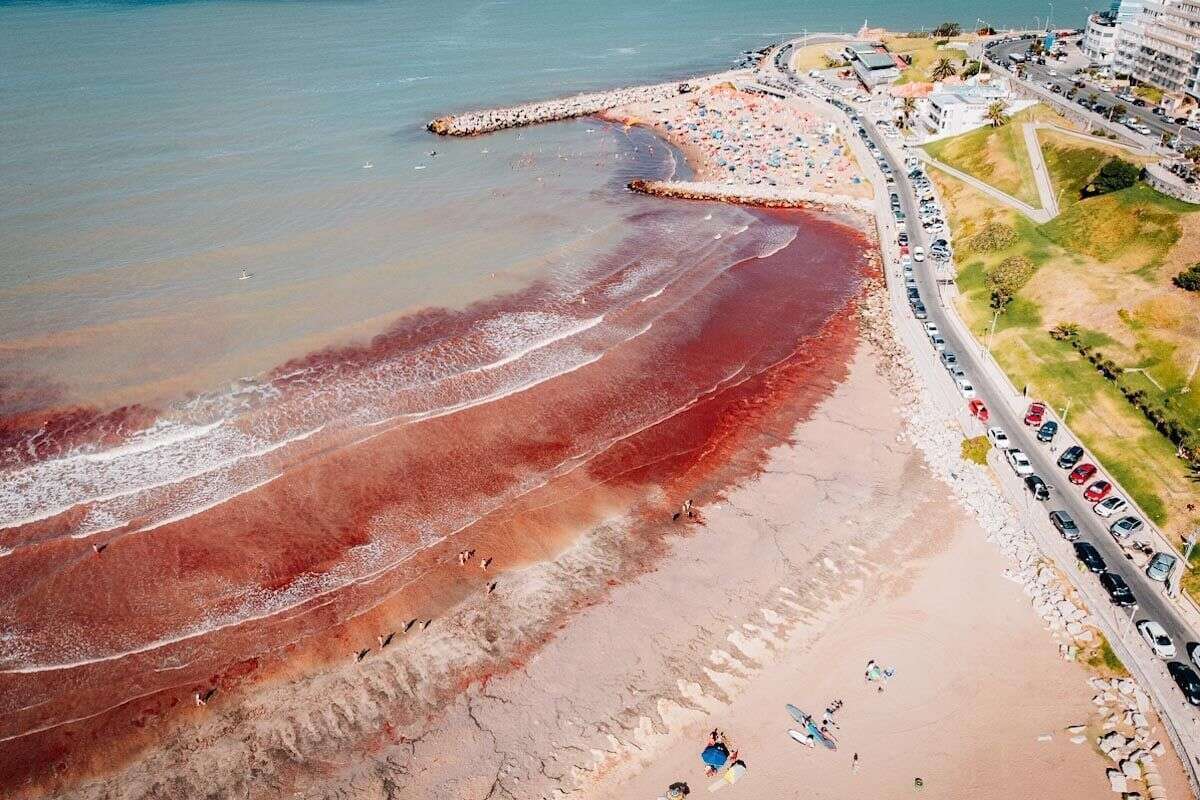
(1100, 38)
(873, 64)
(951, 110)
(1160, 46)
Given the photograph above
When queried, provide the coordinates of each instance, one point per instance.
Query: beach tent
(715, 755)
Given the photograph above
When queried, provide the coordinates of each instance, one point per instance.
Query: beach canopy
(715, 755)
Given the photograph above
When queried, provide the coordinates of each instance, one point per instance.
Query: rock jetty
(764, 195)
(580, 105)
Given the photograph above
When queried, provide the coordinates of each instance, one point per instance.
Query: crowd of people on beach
(740, 138)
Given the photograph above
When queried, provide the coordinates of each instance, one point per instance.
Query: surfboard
(797, 714)
(729, 776)
(802, 738)
(813, 730)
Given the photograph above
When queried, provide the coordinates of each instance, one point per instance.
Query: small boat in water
(245, 276)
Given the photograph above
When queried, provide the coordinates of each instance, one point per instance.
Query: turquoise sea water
(152, 151)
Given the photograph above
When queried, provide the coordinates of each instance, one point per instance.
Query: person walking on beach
(854, 763)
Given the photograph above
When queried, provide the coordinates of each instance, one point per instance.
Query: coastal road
(1041, 77)
(1007, 409)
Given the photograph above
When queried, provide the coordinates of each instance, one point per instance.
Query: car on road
(1160, 567)
(1118, 590)
(1036, 414)
(1037, 487)
(1156, 636)
(918, 254)
(902, 237)
(1047, 432)
(1064, 523)
(1187, 681)
(1125, 527)
(1090, 556)
(964, 386)
(931, 329)
(998, 437)
(948, 358)
(1081, 474)
(919, 311)
(1097, 492)
(978, 410)
(938, 343)
(1110, 505)
(1070, 457)
(1018, 461)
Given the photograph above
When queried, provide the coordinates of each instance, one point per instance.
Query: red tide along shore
(654, 388)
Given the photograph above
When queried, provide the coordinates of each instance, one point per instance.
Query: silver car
(1126, 527)
(1159, 568)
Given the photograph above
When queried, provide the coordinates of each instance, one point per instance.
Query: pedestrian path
(1038, 215)
(1041, 176)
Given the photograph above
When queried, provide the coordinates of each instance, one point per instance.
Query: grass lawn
(1095, 267)
(925, 54)
(996, 156)
(1101, 658)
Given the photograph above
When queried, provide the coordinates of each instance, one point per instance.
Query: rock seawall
(764, 195)
(580, 105)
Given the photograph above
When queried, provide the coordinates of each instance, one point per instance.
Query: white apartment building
(1160, 46)
(951, 110)
(1100, 38)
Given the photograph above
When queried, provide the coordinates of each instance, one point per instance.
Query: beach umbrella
(715, 755)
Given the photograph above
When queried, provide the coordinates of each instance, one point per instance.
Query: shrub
(1113, 176)
(1007, 278)
(1189, 279)
(947, 29)
(994, 236)
(1065, 331)
(972, 68)
(976, 450)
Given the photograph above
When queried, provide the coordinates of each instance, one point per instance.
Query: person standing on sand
(854, 763)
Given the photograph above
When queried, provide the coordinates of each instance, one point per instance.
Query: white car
(964, 387)
(931, 329)
(939, 344)
(1110, 505)
(918, 254)
(1156, 636)
(1018, 461)
(998, 438)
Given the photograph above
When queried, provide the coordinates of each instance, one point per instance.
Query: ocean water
(439, 343)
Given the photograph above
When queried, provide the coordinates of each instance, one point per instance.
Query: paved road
(1007, 411)
(1054, 74)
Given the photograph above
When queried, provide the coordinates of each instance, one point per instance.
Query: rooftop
(875, 60)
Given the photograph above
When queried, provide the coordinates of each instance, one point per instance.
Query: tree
(1193, 153)
(909, 107)
(1118, 111)
(1064, 331)
(996, 114)
(947, 29)
(1189, 279)
(970, 69)
(944, 68)
(1093, 97)
(1113, 177)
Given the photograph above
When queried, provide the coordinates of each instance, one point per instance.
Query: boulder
(1117, 781)
(1126, 686)
(1139, 720)
(1076, 728)
(1158, 749)
(1078, 739)
(1131, 769)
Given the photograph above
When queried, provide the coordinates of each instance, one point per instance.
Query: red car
(978, 410)
(1098, 491)
(1079, 476)
(1035, 416)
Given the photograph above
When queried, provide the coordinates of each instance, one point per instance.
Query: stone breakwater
(764, 196)
(580, 105)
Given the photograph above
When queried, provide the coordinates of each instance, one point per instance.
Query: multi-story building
(1160, 46)
(1100, 38)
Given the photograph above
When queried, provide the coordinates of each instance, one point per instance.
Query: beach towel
(729, 776)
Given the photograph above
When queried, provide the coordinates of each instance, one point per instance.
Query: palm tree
(1118, 111)
(909, 106)
(1093, 97)
(944, 68)
(995, 114)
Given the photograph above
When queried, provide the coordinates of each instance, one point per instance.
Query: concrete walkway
(1099, 141)
(1041, 177)
(1038, 215)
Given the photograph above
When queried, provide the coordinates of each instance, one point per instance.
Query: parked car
(1070, 457)
(918, 254)
(1118, 590)
(1018, 461)
(902, 237)
(1036, 414)
(1090, 556)
(1110, 506)
(1064, 523)
(1160, 567)
(964, 386)
(1156, 636)
(1081, 474)
(1037, 487)
(931, 329)
(938, 343)
(978, 410)
(1097, 492)
(948, 357)
(919, 311)
(1047, 432)
(1186, 680)
(1125, 527)
(998, 437)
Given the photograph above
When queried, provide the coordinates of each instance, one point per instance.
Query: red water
(647, 381)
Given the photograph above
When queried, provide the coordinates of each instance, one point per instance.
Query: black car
(1047, 432)
(1070, 457)
(1090, 557)
(1187, 680)
(1037, 487)
(1118, 590)
(1065, 525)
